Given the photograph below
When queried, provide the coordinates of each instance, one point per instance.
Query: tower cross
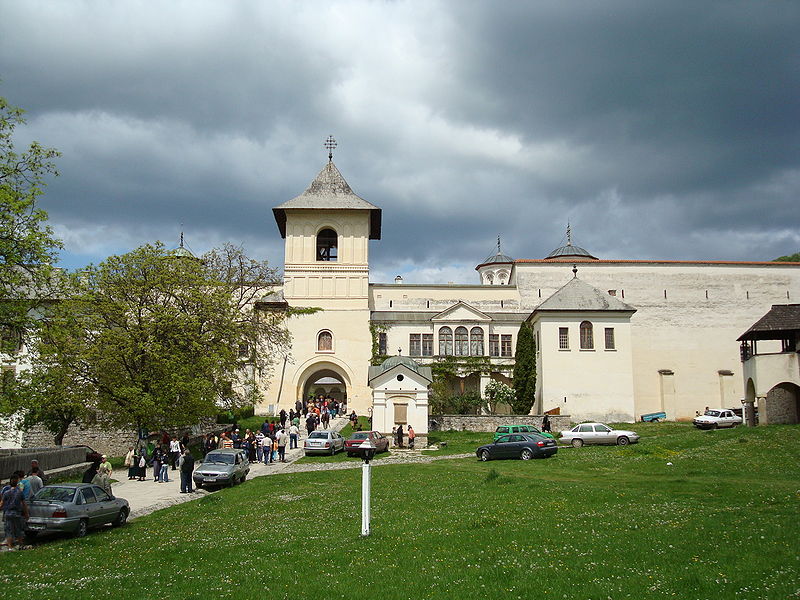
(330, 144)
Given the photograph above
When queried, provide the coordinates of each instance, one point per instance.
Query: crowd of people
(14, 498)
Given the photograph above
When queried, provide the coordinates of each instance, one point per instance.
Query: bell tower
(327, 230)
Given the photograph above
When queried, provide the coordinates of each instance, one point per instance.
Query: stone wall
(491, 422)
(110, 441)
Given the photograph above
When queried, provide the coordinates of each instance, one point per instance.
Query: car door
(107, 508)
(586, 433)
(501, 448)
(604, 435)
(91, 509)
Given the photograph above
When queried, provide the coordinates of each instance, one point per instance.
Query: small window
(88, 496)
(585, 429)
(515, 430)
(327, 242)
(502, 430)
(427, 344)
(325, 341)
(382, 343)
(415, 344)
(505, 345)
(494, 344)
(101, 494)
(587, 336)
(462, 342)
(445, 341)
(601, 429)
(563, 338)
(476, 341)
(610, 338)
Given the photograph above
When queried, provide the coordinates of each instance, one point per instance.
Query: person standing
(399, 435)
(35, 482)
(142, 465)
(411, 437)
(104, 464)
(294, 434)
(283, 437)
(42, 474)
(259, 446)
(187, 466)
(15, 513)
(158, 459)
(546, 423)
(174, 452)
(163, 474)
(282, 416)
(128, 462)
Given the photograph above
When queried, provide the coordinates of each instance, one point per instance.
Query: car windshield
(225, 459)
(56, 494)
(713, 413)
(318, 435)
(362, 435)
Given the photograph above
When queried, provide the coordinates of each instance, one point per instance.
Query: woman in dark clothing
(142, 464)
(399, 436)
(89, 473)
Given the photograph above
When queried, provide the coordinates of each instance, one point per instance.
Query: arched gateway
(323, 377)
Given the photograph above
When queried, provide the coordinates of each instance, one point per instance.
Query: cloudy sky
(657, 129)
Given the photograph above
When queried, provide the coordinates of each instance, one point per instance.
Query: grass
(596, 522)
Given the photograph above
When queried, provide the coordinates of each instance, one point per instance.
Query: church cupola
(497, 268)
(570, 252)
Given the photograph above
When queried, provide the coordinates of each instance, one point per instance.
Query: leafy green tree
(789, 258)
(154, 338)
(27, 244)
(497, 392)
(524, 370)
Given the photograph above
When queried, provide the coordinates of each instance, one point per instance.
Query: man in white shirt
(282, 438)
(294, 435)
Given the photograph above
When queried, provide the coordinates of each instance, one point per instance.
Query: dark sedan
(524, 446)
(380, 441)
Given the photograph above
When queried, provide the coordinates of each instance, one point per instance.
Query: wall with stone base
(492, 422)
(113, 442)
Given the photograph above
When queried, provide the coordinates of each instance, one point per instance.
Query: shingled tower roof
(781, 319)
(580, 296)
(329, 191)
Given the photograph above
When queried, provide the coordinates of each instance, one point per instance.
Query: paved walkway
(148, 496)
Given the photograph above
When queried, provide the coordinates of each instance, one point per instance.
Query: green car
(506, 429)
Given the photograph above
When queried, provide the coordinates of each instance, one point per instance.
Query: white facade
(676, 352)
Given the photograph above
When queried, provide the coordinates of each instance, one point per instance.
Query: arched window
(462, 342)
(476, 341)
(587, 336)
(325, 341)
(502, 277)
(327, 241)
(445, 341)
(489, 278)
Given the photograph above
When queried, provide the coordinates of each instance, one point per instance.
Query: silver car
(74, 508)
(225, 466)
(323, 442)
(597, 433)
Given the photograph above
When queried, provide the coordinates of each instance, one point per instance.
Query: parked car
(520, 445)
(224, 466)
(718, 417)
(597, 433)
(511, 429)
(323, 442)
(74, 508)
(380, 441)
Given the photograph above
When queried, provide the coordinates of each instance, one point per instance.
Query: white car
(597, 433)
(323, 442)
(718, 417)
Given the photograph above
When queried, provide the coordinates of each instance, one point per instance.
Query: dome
(498, 259)
(393, 361)
(570, 252)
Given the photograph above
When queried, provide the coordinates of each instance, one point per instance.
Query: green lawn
(594, 522)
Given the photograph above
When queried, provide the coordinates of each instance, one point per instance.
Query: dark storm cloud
(659, 130)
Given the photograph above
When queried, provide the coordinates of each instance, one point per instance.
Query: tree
(27, 245)
(524, 371)
(157, 339)
(497, 392)
(789, 258)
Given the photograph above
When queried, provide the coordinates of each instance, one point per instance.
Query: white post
(365, 491)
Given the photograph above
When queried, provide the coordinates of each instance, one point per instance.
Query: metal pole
(366, 475)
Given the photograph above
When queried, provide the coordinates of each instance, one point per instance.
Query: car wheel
(333, 450)
(485, 456)
(714, 426)
(577, 443)
(526, 454)
(83, 528)
(121, 519)
(623, 440)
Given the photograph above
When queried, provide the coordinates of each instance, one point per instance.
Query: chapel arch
(327, 245)
(781, 405)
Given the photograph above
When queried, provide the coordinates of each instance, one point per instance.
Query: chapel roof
(780, 320)
(579, 295)
(569, 253)
(395, 361)
(329, 191)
